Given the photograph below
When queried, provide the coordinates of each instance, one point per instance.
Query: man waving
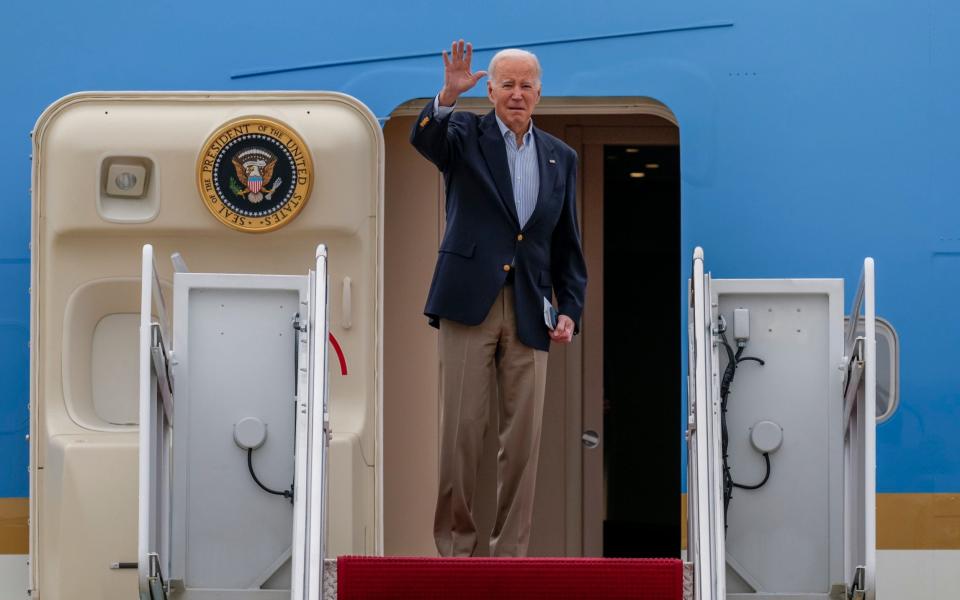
(511, 242)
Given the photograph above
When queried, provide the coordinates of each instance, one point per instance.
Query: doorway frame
(590, 142)
(586, 134)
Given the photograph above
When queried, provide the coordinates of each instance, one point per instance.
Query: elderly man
(511, 242)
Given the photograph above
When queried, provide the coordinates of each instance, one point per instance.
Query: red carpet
(380, 578)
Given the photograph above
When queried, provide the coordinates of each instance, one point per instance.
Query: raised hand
(457, 77)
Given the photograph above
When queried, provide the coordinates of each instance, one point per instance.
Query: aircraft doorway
(641, 346)
(577, 490)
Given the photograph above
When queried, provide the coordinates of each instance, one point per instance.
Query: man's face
(515, 92)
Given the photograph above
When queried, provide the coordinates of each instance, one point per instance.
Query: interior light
(652, 166)
(632, 150)
(126, 177)
(125, 180)
(638, 174)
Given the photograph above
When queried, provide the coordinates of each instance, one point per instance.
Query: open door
(229, 343)
(312, 445)
(859, 441)
(705, 531)
(156, 428)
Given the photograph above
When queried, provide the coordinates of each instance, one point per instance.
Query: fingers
(456, 66)
(460, 53)
(456, 52)
(564, 331)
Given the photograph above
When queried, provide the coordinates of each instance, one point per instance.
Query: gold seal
(254, 174)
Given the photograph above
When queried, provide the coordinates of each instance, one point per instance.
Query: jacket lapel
(495, 154)
(547, 162)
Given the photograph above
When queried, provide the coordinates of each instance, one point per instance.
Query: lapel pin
(424, 122)
(552, 161)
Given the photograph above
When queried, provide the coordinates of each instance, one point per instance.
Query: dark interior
(642, 356)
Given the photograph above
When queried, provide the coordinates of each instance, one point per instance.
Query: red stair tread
(382, 578)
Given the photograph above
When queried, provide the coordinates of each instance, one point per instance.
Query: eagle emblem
(254, 167)
(254, 174)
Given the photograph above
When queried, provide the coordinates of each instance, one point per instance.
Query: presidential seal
(255, 174)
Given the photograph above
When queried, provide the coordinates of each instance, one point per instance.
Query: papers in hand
(549, 315)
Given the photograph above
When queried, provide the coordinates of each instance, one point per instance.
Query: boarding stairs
(315, 576)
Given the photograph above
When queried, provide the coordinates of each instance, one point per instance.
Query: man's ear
(490, 90)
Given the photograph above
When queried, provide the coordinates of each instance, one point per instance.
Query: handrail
(859, 436)
(312, 441)
(854, 316)
(706, 535)
(156, 391)
(161, 366)
(854, 376)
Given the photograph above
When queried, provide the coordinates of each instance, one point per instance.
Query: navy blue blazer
(483, 234)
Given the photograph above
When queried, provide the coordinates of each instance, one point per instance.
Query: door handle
(590, 439)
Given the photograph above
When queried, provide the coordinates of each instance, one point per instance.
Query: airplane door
(116, 171)
(705, 530)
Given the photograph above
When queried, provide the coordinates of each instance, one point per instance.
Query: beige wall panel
(90, 510)
(411, 414)
(85, 482)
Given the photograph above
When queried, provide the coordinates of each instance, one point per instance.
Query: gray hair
(513, 53)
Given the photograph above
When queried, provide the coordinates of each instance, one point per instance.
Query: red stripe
(339, 351)
(380, 578)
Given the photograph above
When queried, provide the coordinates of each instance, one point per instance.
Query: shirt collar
(504, 130)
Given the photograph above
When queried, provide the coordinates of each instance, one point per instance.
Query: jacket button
(506, 267)
(519, 237)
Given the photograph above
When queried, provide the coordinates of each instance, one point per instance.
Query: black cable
(284, 493)
(733, 359)
(725, 382)
(766, 457)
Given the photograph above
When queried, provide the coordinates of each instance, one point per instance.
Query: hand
(563, 333)
(457, 77)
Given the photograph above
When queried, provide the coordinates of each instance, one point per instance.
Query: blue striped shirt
(524, 169)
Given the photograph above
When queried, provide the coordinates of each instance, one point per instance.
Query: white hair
(513, 53)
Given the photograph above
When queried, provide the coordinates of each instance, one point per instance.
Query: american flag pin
(552, 161)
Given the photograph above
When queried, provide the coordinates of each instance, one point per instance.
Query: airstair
(805, 532)
(199, 531)
(781, 465)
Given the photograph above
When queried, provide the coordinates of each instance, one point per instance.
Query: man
(511, 241)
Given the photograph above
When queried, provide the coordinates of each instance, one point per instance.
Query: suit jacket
(483, 234)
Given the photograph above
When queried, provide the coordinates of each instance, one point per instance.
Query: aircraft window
(888, 368)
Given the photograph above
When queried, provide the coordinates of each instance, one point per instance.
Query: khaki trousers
(470, 356)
